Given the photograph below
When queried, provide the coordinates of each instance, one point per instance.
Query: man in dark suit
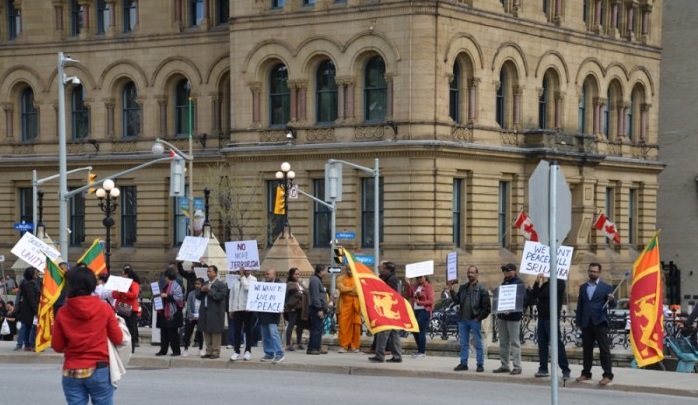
(594, 298)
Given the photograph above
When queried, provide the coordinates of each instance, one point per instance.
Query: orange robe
(349, 315)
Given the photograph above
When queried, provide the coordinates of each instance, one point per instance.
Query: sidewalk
(626, 379)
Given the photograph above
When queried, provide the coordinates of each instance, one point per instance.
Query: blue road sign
(345, 235)
(365, 259)
(23, 226)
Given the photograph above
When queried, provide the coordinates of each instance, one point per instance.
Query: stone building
(458, 99)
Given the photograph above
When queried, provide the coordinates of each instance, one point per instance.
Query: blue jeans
(465, 328)
(544, 341)
(316, 327)
(24, 338)
(271, 340)
(78, 391)
(421, 337)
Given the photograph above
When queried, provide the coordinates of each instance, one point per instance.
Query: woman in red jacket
(80, 332)
(130, 298)
(421, 297)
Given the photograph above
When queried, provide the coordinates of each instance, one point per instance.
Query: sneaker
(421, 355)
(267, 358)
(185, 353)
(247, 356)
(583, 378)
(235, 357)
(516, 371)
(461, 367)
(314, 352)
(290, 348)
(354, 351)
(342, 350)
(480, 369)
(278, 359)
(323, 350)
(301, 347)
(229, 347)
(202, 352)
(501, 370)
(605, 381)
(17, 348)
(542, 373)
(394, 360)
(566, 375)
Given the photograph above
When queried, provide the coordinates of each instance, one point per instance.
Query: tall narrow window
(129, 218)
(582, 116)
(277, 3)
(184, 108)
(375, 90)
(632, 216)
(77, 219)
(130, 15)
(279, 96)
(454, 94)
(326, 93)
(543, 105)
(103, 16)
(321, 216)
(457, 211)
(605, 117)
(30, 116)
(308, 2)
(130, 111)
(26, 205)
(275, 223)
(368, 209)
(14, 20)
(500, 110)
(223, 11)
(76, 15)
(629, 117)
(196, 12)
(503, 213)
(80, 115)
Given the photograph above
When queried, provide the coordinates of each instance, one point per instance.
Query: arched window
(637, 118)
(326, 92)
(616, 120)
(375, 90)
(79, 114)
(543, 104)
(504, 99)
(582, 112)
(30, 116)
(454, 99)
(279, 96)
(184, 108)
(500, 111)
(629, 118)
(130, 111)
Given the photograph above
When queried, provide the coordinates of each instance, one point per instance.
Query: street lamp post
(286, 174)
(158, 150)
(107, 196)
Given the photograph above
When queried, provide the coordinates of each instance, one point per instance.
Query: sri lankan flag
(646, 309)
(54, 281)
(382, 307)
(94, 258)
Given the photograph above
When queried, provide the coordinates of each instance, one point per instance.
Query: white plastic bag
(5, 328)
(120, 355)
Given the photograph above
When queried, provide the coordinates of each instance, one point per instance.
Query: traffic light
(90, 180)
(280, 201)
(177, 177)
(339, 255)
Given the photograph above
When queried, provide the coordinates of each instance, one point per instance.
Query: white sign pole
(554, 168)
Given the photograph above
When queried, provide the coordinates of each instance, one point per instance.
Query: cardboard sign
(266, 297)
(242, 255)
(536, 260)
(201, 272)
(34, 251)
(193, 249)
(508, 298)
(155, 288)
(419, 269)
(116, 283)
(452, 266)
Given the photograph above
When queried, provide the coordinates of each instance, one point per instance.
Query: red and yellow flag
(94, 258)
(646, 309)
(54, 281)
(382, 307)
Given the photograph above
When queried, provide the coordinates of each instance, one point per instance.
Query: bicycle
(145, 320)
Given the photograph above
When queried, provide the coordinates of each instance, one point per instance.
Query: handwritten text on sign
(34, 251)
(193, 249)
(266, 297)
(536, 260)
(242, 255)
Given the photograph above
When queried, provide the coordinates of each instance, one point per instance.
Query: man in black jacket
(509, 327)
(474, 301)
(541, 293)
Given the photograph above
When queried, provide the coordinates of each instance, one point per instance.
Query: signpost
(23, 226)
(345, 235)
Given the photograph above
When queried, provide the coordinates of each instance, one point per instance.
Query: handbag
(5, 328)
(124, 310)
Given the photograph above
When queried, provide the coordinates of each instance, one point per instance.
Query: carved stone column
(598, 107)
(58, 12)
(559, 98)
(86, 20)
(389, 101)
(349, 104)
(112, 15)
(256, 88)
(340, 99)
(216, 99)
(178, 14)
(294, 100)
(162, 103)
(302, 88)
(9, 111)
(518, 91)
(109, 105)
(621, 112)
(472, 99)
(644, 112)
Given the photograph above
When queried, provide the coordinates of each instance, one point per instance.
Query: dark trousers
(598, 334)
(294, 320)
(544, 341)
(317, 325)
(189, 326)
(132, 325)
(169, 337)
(243, 323)
(420, 337)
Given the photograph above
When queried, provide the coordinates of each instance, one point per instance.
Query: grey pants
(395, 344)
(509, 340)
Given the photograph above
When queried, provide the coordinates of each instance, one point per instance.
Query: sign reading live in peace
(242, 255)
(266, 297)
(536, 260)
(34, 251)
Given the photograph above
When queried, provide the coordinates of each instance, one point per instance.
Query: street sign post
(365, 259)
(334, 270)
(23, 226)
(345, 235)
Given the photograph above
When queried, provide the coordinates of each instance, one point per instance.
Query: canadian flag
(608, 227)
(525, 226)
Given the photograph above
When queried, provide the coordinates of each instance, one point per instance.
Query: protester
(349, 314)
(192, 319)
(473, 299)
(391, 335)
(80, 331)
(28, 307)
(317, 310)
(243, 319)
(189, 276)
(541, 293)
(421, 297)
(212, 312)
(11, 316)
(269, 325)
(509, 327)
(595, 296)
(295, 308)
(104, 294)
(170, 318)
(130, 299)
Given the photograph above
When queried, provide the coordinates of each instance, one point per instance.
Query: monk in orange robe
(349, 315)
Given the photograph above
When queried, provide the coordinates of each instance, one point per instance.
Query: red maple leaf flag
(525, 226)
(608, 227)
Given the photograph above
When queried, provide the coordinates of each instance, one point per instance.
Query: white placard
(155, 288)
(201, 272)
(242, 254)
(536, 260)
(507, 298)
(34, 251)
(230, 279)
(157, 304)
(419, 269)
(116, 283)
(266, 297)
(452, 266)
(193, 249)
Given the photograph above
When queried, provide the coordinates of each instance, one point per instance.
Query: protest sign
(155, 288)
(201, 272)
(266, 297)
(508, 298)
(34, 251)
(536, 260)
(242, 255)
(452, 266)
(193, 249)
(116, 283)
(419, 269)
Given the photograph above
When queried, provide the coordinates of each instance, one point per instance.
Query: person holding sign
(170, 319)
(212, 312)
(421, 296)
(130, 299)
(509, 327)
(349, 314)
(237, 307)
(295, 308)
(541, 293)
(269, 325)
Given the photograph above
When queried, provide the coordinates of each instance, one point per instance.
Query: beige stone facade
(458, 99)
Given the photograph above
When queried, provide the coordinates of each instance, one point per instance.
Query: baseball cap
(509, 267)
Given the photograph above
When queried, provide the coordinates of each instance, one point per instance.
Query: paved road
(27, 383)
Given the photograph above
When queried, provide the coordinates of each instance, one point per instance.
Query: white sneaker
(247, 356)
(185, 353)
(202, 352)
(342, 350)
(234, 357)
(229, 347)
